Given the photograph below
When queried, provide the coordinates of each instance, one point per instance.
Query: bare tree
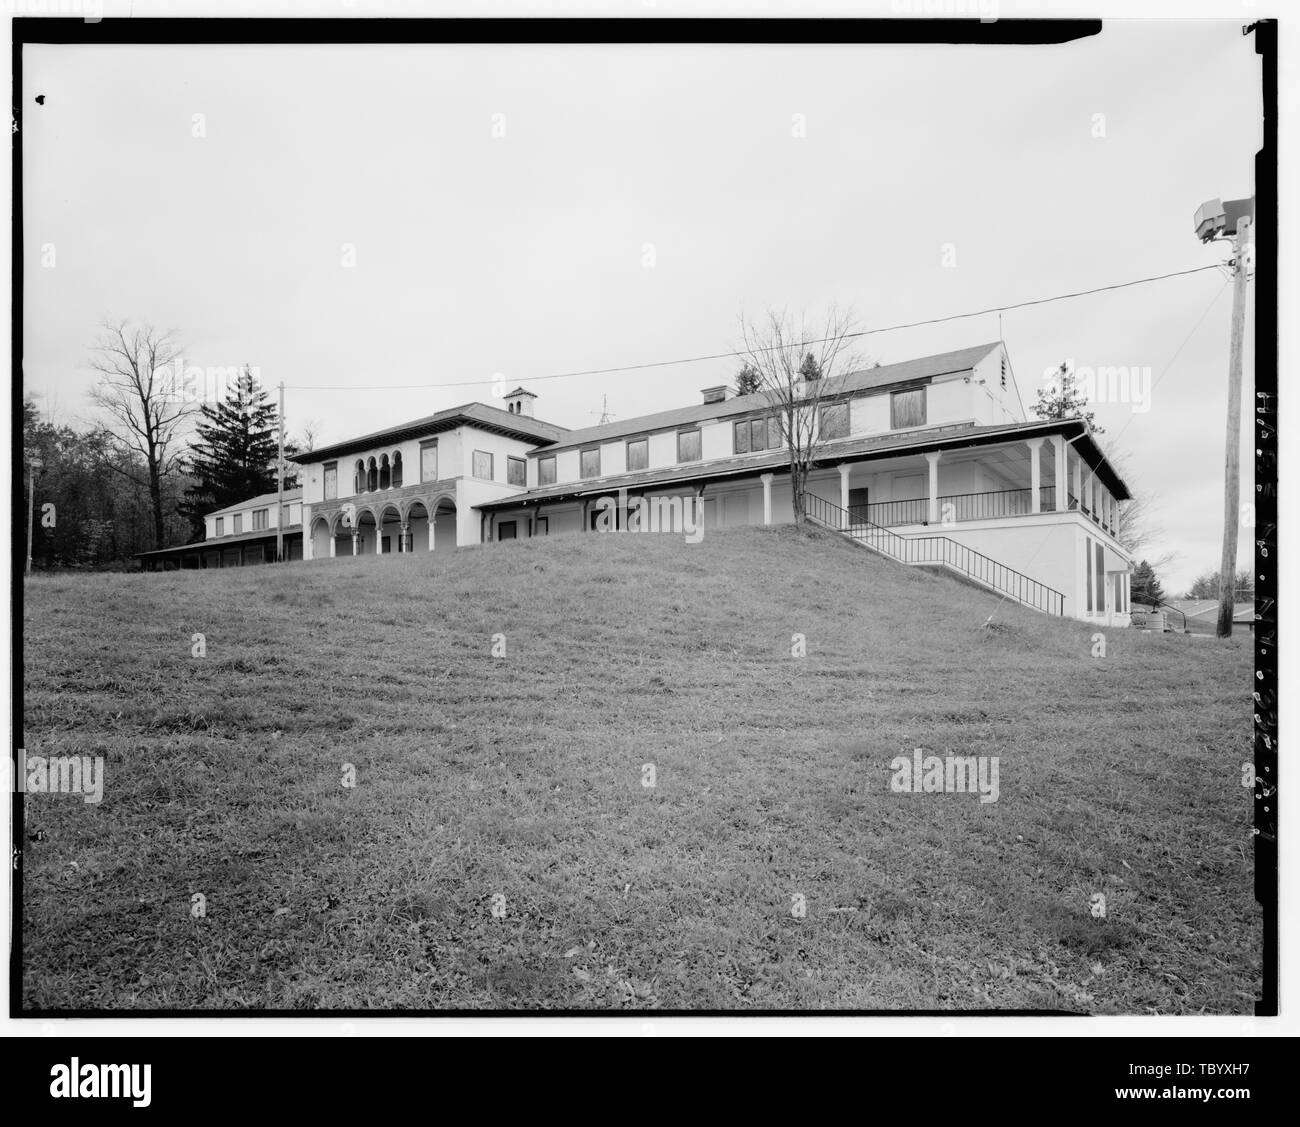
(1137, 529)
(310, 433)
(138, 394)
(800, 365)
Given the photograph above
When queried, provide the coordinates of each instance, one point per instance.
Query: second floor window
(749, 435)
(331, 480)
(589, 462)
(907, 408)
(546, 470)
(239, 523)
(516, 471)
(429, 461)
(286, 515)
(259, 519)
(221, 527)
(638, 454)
(483, 465)
(835, 420)
(688, 445)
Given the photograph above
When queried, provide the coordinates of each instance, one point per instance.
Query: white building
(931, 462)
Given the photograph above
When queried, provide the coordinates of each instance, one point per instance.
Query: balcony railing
(937, 550)
(964, 506)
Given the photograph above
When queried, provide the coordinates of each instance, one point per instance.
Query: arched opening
(385, 474)
(417, 517)
(369, 538)
(444, 525)
(390, 529)
(372, 476)
(359, 477)
(320, 539)
(397, 469)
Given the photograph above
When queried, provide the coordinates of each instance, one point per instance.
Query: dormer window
(907, 409)
(220, 527)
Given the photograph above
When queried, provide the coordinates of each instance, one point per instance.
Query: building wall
(294, 508)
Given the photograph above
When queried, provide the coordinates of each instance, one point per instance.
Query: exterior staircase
(938, 552)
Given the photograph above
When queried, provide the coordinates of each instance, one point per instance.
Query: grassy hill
(500, 850)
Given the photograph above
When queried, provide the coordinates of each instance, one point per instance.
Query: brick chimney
(714, 394)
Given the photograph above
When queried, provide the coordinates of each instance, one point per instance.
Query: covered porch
(1041, 474)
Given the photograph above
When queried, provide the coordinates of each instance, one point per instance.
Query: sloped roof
(945, 437)
(1203, 608)
(479, 414)
(865, 379)
(294, 494)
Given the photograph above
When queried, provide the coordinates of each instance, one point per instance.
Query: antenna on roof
(605, 415)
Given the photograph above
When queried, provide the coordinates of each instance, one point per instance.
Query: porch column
(356, 541)
(766, 479)
(1035, 475)
(1060, 453)
(844, 469)
(1078, 479)
(405, 543)
(333, 543)
(932, 456)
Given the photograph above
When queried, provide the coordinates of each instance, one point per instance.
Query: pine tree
(235, 453)
(810, 370)
(1145, 586)
(748, 380)
(1063, 400)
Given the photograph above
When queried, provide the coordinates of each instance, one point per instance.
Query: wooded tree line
(156, 458)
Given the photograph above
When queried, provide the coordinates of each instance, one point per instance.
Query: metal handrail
(936, 549)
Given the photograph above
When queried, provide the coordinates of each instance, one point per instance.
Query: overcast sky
(640, 198)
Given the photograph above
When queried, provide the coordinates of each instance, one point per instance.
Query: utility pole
(1213, 220)
(279, 486)
(1232, 447)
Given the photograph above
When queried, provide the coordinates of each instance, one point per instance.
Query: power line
(771, 348)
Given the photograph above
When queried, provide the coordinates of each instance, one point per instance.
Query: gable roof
(865, 379)
(491, 419)
(294, 494)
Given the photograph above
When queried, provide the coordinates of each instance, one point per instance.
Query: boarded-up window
(688, 445)
(331, 480)
(774, 433)
(483, 465)
(589, 462)
(835, 420)
(1100, 575)
(638, 454)
(429, 461)
(740, 437)
(907, 408)
(546, 470)
(239, 523)
(259, 519)
(516, 471)
(221, 526)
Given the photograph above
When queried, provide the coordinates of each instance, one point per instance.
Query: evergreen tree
(1145, 586)
(748, 380)
(235, 453)
(810, 370)
(1063, 400)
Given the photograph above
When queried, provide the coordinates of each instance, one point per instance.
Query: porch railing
(965, 506)
(936, 550)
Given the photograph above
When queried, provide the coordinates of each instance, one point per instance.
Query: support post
(932, 456)
(766, 479)
(1035, 475)
(1232, 439)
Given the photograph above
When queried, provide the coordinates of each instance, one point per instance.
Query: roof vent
(715, 394)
